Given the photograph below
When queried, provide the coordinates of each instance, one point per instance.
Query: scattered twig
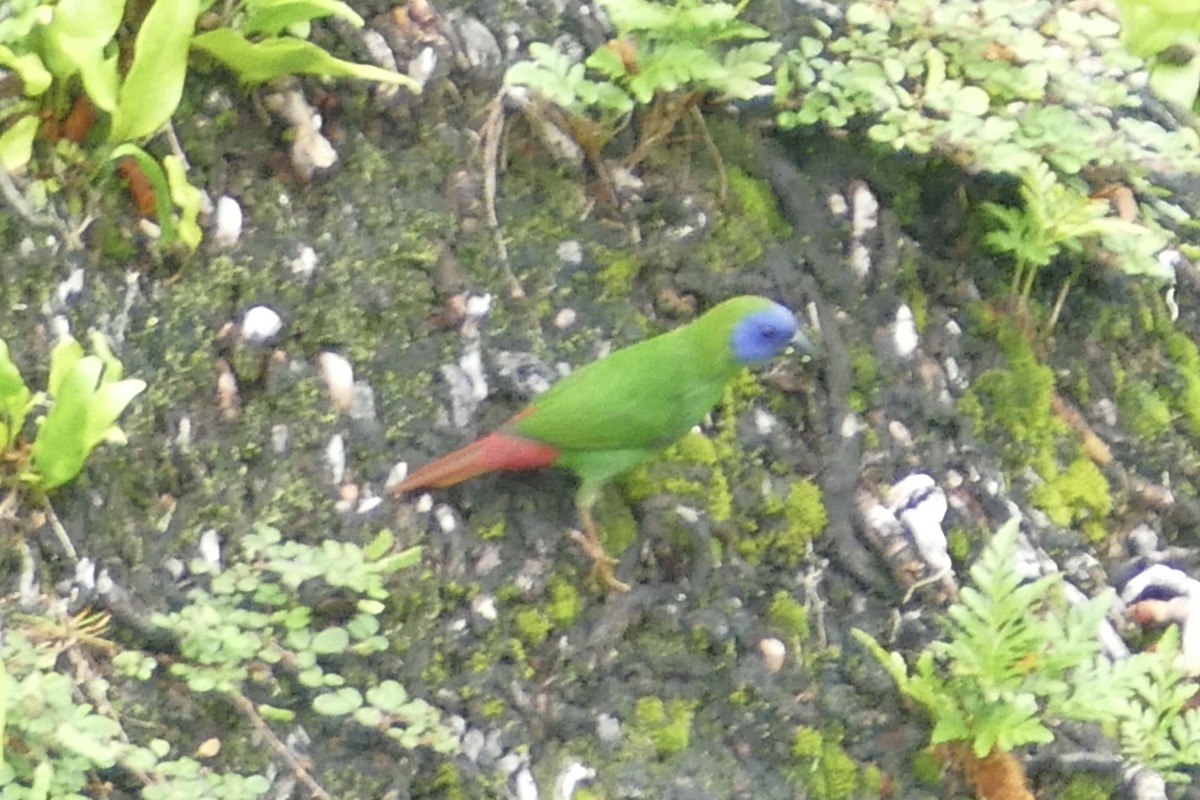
(283, 751)
(59, 530)
(490, 135)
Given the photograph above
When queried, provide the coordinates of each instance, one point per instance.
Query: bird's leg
(602, 562)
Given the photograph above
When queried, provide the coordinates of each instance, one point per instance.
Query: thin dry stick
(713, 153)
(282, 750)
(59, 530)
(490, 135)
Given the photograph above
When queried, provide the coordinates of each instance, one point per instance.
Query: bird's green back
(643, 397)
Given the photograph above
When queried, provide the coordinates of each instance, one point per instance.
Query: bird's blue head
(764, 333)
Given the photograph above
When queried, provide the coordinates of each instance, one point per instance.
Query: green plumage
(616, 412)
(621, 410)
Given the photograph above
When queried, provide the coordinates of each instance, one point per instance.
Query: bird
(619, 411)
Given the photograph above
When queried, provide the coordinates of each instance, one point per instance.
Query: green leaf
(15, 399)
(59, 451)
(151, 89)
(76, 40)
(163, 212)
(63, 358)
(330, 641)
(379, 546)
(405, 558)
(16, 143)
(187, 199)
(263, 61)
(270, 17)
(333, 704)
(106, 405)
(93, 737)
(389, 696)
(114, 370)
(1177, 83)
(35, 78)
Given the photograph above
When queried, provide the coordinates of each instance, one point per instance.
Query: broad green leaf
(114, 370)
(163, 212)
(94, 737)
(76, 40)
(63, 358)
(151, 90)
(59, 451)
(1176, 83)
(405, 558)
(16, 143)
(330, 641)
(187, 199)
(377, 549)
(35, 78)
(107, 404)
(389, 695)
(14, 398)
(19, 26)
(343, 701)
(263, 61)
(272, 16)
(606, 61)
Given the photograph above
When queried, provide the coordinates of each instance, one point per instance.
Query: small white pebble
(335, 458)
(445, 518)
(425, 503)
(396, 475)
(260, 324)
(904, 332)
(773, 653)
(837, 204)
(522, 785)
(484, 607)
(571, 776)
(688, 514)
(227, 222)
(900, 434)
(765, 422)
(369, 504)
(281, 437)
(305, 264)
(209, 547)
(570, 252)
(174, 568)
(338, 375)
(478, 305)
(866, 210)
(183, 438)
(565, 318)
(85, 573)
(421, 67)
(849, 426)
(608, 729)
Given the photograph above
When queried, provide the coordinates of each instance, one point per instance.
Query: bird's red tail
(496, 451)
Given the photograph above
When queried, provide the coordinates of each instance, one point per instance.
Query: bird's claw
(602, 563)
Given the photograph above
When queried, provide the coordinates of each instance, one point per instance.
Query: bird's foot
(602, 562)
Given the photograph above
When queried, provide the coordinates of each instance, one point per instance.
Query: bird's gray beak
(802, 343)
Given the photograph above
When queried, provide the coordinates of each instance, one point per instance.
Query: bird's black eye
(767, 332)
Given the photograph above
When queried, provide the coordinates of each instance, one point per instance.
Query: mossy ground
(679, 669)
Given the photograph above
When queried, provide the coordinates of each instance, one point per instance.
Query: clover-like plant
(55, 46)
(1018, 657)
(1168, 35)
(1056, 216)
(86, 395)
(1018, 87)
(251, 625)
(665, 57)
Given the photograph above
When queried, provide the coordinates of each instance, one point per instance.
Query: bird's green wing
(644, 396)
